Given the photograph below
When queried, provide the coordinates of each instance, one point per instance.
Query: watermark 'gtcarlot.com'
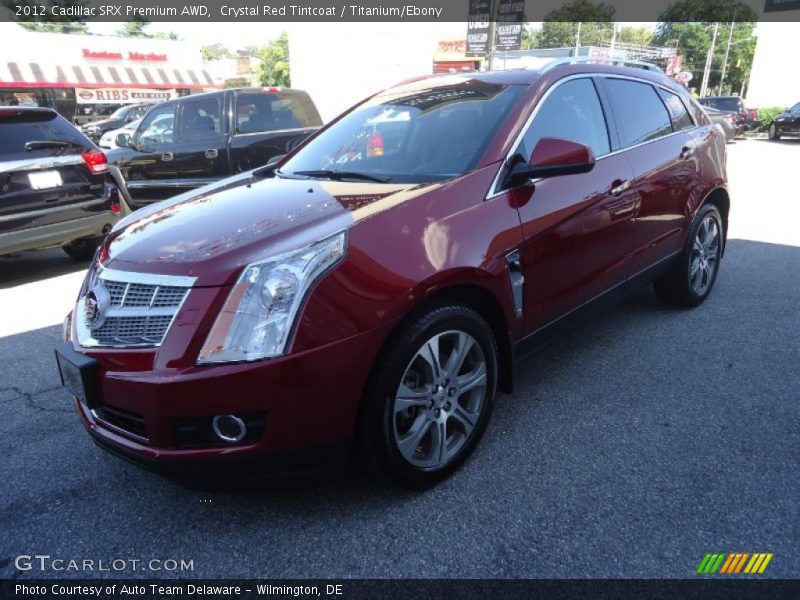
(45, 562)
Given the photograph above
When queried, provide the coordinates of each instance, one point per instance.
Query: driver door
(151, 172)
(578, 229)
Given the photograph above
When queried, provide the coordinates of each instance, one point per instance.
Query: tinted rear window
(262, 111)
(641, 114)
(724, 104)
(677, 110)
(17, 129)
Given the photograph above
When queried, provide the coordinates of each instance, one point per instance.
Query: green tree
(560, 26)
(274, 67)
(530, 38)
(136, 28)
(688, 25)
(216, 52)
(640, 36)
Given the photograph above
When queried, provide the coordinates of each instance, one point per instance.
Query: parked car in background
(108, 140)
(86, 113)
(119, 118)
(746, 119)
(211, 136)
(786, 124)
(727, 120)
(374, 288)
(54, 185)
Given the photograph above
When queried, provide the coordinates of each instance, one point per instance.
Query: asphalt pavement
(630, 448)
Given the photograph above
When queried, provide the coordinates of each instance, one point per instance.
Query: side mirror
(123, 140)
(553, 157)
(275, 159)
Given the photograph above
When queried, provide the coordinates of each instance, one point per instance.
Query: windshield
(426, 134)
(120, 112)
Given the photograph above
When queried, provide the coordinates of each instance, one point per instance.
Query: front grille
(139, 312)
(123, 419)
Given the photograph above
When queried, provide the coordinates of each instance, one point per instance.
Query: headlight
(258, 315)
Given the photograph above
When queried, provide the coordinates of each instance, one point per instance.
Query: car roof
(530, 76)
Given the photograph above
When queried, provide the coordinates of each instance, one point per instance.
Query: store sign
(509, 24)
(136, 56)
(478, 24)
(122, 95)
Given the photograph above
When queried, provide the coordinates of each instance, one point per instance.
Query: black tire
(378, 428)
(675, 287)
(774, 134)
(82, 250)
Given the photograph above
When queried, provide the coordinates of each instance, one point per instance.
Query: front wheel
(430, 397)
(774, 134)
(690, 279)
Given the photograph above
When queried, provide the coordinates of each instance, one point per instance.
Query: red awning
(19, 74)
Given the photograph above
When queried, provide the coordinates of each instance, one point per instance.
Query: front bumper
(306, 402)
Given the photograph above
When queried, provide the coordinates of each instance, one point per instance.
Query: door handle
(167, 156)
(618, 186)
(212, 153)
(687, 151)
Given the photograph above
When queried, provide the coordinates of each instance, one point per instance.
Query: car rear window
(677, 110)
(263, 111)
(640, 112)
(17, 128)
(724, 104)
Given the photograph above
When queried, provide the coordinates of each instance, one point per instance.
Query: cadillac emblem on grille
(95, 305)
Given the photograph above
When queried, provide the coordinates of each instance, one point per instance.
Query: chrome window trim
(495, 190)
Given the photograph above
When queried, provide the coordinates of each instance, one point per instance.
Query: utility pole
(613, 40)
(727, 52)
(709, 60)
(491, 42)
(578, 39)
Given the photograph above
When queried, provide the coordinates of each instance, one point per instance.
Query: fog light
(229, 428)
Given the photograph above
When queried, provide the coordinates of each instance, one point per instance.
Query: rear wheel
(430, 397)
(774, 134)
(83, 249)
(690, 279)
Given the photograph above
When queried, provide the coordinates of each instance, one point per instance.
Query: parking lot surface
(630, 448)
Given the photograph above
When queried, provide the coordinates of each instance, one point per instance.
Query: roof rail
(567, 60)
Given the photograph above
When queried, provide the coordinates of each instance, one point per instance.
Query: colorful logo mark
(734, 563)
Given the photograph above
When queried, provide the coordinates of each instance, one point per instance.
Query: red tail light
(116, 208)
(96, 161)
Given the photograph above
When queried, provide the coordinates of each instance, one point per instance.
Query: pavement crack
(30, 398)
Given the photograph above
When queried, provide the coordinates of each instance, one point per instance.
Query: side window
(202, 119)
(796, 110)
(158, 126)
(677, 111)
(640, 112)
(262, 111)
(571, 112)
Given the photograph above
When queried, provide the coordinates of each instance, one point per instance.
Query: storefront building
(84, 76)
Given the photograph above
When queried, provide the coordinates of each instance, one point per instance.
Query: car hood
(211, 233)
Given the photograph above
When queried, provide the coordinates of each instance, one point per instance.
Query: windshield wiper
(339, 175)
(36, 144)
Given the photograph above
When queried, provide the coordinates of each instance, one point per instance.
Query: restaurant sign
(122, 95)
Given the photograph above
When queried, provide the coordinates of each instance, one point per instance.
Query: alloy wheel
(440, 399)
(704, 260)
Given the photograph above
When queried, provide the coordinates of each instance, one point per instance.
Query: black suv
(54, 185)
(119, 118)
(786, 123)
(732, 104)
(195, 140)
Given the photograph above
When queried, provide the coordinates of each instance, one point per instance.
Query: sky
(234, 37)
(244, 34)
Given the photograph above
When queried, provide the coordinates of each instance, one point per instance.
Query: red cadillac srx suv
(372, 290)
